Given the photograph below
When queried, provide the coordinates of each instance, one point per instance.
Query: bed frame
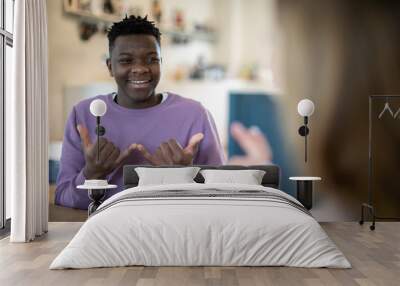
(270, 179)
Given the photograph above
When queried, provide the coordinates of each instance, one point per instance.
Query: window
(9, 15)
(6, 62)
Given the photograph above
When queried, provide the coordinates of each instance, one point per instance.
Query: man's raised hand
(172, 153)
(110, 157)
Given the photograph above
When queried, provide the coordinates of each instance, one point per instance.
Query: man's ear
(108, 62)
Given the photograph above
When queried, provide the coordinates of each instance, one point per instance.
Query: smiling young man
(142, 126)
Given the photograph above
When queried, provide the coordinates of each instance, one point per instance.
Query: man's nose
(139, 67)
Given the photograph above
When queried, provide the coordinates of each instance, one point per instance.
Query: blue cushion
(54, 167)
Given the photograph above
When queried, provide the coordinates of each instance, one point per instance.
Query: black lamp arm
(100, 131)
(304, 131)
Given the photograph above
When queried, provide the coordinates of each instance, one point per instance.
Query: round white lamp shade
(98, 107)
(305, 107)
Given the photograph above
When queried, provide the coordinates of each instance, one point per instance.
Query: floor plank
(375, 257)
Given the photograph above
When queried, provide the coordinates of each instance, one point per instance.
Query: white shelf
(87, 16)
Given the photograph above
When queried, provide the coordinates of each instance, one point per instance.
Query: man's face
(135, 63)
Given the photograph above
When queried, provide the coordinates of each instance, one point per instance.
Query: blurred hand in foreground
(254, 144)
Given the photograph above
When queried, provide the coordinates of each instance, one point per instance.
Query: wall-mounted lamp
(305, 108)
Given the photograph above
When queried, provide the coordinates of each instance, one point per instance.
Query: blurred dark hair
(371, 66)
(132, 25)
(352, 50)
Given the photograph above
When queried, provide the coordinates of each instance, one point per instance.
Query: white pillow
(162, 176)
(248, 177)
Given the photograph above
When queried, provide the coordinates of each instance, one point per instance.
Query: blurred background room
(252, 62)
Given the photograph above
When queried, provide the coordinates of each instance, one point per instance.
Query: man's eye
(124, 61)
(153, 60)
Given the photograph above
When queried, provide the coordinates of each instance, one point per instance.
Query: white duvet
(200, 231)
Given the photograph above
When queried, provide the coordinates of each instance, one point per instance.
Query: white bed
(248, 226)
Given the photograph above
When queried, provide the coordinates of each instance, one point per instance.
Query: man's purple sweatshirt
(175, 118)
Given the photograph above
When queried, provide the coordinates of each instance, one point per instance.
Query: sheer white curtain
(27, 123)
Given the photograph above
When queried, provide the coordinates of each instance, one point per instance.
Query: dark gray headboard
(270, 179)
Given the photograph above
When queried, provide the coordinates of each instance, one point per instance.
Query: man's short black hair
(130, 26)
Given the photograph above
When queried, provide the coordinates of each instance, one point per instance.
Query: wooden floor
(375, 256)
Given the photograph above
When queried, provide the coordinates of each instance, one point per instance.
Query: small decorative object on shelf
(94, 12)
(179, 21)
(305, 108)
(108, 7)
(156, 11)
(97, 188)
(91, 14)
(87, 30)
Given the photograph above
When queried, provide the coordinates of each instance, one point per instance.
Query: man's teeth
(139, 81)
